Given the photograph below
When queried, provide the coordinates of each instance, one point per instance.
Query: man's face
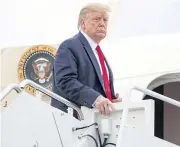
(95, 25)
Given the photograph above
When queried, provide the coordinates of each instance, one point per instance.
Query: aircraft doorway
(167, 116)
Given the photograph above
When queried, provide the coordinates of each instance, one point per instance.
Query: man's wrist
(98, 98)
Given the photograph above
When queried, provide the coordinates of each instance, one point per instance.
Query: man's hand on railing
(104, 105)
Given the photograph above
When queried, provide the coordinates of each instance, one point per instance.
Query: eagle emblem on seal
(42, 71)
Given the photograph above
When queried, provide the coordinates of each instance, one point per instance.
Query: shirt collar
(90, 41)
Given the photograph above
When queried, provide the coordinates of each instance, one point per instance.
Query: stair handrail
(52, 95)
(8, 89)
(125, 109)
(158, 96)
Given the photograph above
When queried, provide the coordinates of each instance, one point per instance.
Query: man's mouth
(102, 32)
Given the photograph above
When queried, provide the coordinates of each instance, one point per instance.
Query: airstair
(30, 122)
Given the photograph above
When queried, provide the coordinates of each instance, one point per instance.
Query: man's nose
(102, 22)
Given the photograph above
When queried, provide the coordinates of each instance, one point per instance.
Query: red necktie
(104, 72)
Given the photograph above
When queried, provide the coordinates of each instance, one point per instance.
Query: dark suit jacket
(76, 73)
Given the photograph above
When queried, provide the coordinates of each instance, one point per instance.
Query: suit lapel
(92, 57)
(110, 71)
(110, 79)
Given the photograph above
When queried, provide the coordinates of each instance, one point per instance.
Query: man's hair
(92, 7)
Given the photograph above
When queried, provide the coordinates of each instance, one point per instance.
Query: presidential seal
(36, 64)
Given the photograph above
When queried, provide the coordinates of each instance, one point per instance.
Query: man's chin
(101, 35)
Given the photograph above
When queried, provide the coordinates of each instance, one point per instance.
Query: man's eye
(96, 19)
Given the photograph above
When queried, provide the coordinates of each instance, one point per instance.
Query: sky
(29, 22)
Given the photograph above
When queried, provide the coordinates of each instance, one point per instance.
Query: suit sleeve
(66, 79)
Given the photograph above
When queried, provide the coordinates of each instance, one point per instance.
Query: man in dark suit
(81, 72)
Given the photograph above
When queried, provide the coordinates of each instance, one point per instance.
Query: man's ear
(82, 24)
